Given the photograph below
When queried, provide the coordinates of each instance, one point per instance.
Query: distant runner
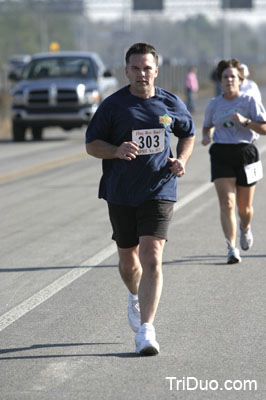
(234, 121)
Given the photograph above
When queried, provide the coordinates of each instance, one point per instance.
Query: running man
(131, 132)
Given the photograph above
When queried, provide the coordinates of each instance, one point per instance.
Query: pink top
(192, 81)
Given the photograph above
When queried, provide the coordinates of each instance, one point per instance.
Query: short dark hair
(232, 63)
(142, 48)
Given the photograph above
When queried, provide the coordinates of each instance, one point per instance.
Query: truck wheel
(18, 132)
(37, 133)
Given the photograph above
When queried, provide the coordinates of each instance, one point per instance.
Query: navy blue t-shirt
(147, 177)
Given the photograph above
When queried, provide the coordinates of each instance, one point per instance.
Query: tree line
(194, 40)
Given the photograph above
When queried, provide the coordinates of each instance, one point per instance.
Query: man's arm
(183, 152)
(101, 149)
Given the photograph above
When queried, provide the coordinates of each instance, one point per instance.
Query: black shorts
(150, 218)
(228, 161)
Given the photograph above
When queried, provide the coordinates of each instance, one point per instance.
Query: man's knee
(129, 260)
(130, 269)
(150, 252)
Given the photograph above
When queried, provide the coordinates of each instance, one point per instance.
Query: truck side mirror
(14, 76)
(107, 74)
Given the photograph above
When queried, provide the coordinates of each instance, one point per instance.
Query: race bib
(150, 141)
(254, 172)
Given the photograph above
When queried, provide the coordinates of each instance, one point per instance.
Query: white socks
(133, 296)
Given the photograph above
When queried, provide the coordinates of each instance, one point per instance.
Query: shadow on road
(55, 268)
(208, 259)
(62, 345)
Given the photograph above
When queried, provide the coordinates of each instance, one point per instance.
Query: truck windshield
(63, 67)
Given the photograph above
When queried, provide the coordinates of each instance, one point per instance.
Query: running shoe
(133, 314)
(145, 340)
(246, 238)
(233, 256)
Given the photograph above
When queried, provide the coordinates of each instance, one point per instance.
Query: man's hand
(127, 151)
(183, 152)
(107, 151)
(178, 167)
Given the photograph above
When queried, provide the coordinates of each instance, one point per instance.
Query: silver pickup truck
(60, 89)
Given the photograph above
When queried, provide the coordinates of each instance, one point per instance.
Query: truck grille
(52, 97)
(66, 96)
(51, 110)
(38, 97)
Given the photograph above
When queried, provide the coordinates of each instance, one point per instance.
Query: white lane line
(26, 306)
(40, 297)
(184, 218)
(192, 196)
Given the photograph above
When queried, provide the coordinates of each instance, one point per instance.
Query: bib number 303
(150, 141)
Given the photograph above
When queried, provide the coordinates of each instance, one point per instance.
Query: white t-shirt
(219, 113)
(250, 88)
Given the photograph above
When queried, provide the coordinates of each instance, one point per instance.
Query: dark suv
(59, 89)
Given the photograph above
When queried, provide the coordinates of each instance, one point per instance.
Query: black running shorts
(148, 219)
(228, 161)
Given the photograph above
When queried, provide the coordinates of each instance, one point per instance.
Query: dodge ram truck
(61, 89)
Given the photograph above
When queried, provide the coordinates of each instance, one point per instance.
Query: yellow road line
(42, 167)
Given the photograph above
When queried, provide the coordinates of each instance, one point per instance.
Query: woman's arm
(259, 127)
(207, 135)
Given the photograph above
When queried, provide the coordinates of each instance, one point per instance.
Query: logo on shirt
(165, 120)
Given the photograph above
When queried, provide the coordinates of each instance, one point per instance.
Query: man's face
(141, 72)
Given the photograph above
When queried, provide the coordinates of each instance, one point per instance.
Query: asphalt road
(63, 308)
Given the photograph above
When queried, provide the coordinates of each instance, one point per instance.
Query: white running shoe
(145, 340)
(246, 238)
(233, 256)
(133, 314)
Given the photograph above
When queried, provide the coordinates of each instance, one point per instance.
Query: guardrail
(171, 77)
